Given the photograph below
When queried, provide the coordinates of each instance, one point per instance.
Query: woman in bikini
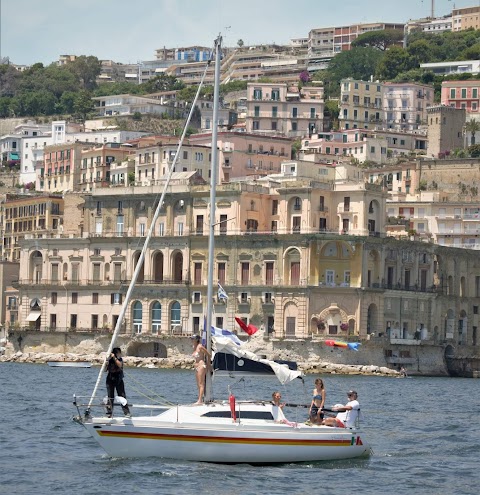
(318, 401)
(202, 363)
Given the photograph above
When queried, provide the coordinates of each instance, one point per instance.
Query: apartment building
(454, 67)
(406, 105)
(129, 104)
(439, 218)
(466, 18)
(297, 281)
(279, 109)
(376, 105)
(96, 162)
(244, 154)
(358, 145)
(462, 94)
(429, 25)
(327, 42)
(60, 169)
(361, 104)
(33, 214)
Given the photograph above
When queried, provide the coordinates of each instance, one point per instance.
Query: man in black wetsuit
(115, 381)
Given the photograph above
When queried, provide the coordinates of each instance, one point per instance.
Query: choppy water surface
(425, 434)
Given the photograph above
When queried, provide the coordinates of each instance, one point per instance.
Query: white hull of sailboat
(69, 364)
(221, 440)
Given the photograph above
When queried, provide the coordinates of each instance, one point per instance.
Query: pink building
(462, 94)
(242, 154)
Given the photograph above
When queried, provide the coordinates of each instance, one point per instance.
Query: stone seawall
(312, 356)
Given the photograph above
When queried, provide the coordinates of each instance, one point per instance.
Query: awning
(14, 156)
(34, 316)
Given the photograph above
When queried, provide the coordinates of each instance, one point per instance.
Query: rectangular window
(223, 224)
(54, 298)
(475, 93)
(95, 298)
(274, 112)
(464, 92)
(197, 274)
(94, 322)
(96, 272)
(53, 321)
(74, 297)
(294, 112)
(452, 92)
(116, 298)
(269, 273)
(221, 273)
(73, 321)
(275, 207)
(245, 273)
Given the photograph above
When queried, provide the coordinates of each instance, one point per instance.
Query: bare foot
(198, 403)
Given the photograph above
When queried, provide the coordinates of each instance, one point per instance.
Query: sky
(130, 31)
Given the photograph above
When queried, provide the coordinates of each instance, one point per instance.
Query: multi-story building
(466, 18)
(129, 104)
(429, 25)
(96, 162)
(188, 53)
(327, 42)
(406, 105)
(60, 169)
(445, 129)
(243, 154)
(33, 214)
(284, 110)
(403, 143)
(453, 67)
(281, 268)
(374, 105)
(361, 104)
(462, 94)
(355, 144)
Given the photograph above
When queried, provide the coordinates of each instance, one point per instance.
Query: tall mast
(213, 195)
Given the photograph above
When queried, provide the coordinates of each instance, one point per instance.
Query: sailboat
(219, 431)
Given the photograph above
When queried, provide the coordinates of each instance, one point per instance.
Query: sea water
(424, 432)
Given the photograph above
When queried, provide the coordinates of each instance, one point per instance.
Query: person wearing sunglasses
(346, 415)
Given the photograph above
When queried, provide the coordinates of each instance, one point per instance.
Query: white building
(456, 67)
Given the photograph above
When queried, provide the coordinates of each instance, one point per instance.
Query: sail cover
(232, 359)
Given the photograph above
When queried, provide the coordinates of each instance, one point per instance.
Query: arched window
(156, 317)
(175, 316)
(137, 317)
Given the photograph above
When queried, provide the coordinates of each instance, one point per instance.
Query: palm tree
(472, 126)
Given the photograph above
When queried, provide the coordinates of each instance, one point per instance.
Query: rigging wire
(141, 258)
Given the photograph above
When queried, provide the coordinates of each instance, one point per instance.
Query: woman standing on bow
(202, 364)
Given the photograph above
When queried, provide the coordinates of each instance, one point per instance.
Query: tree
(83, 105)
(380, 40)
(162, 82)
(240, 43)
(86, 69)
(357, 63)
(474, 150)
(394, 61)
(472, 126)
(332, 110)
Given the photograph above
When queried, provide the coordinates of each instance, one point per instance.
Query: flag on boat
(250, 329)
(222, 295)
(221, 332)
(218, 332)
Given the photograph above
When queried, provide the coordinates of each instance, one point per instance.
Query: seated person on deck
(277, 411)
(347, 414)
